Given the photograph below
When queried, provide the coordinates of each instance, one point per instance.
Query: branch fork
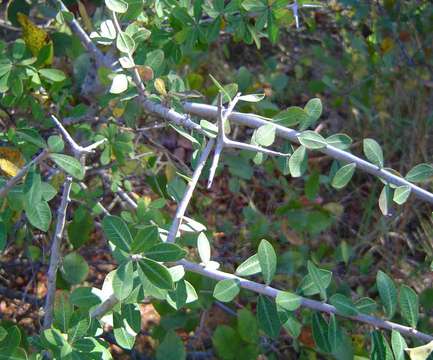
(224, 142)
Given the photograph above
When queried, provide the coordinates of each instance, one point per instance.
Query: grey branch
(224, 142)
(56, 256)
(13, 181)
(181, 209)
(78, 150)
(254, 121)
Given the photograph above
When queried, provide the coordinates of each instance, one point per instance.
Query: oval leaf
(387, 292)
(69, 164)
(226, 290)
(250, 266)
(419, 173)
(165, 252)
(267, 260)
(312, 140)
(117, 232)
(119, 84)
(267, 316)
(298, 162)
(118, 6)
(203, 248)
(343, 176)
(157, 274)
(288, 301)
(373, 152)
(409, 305)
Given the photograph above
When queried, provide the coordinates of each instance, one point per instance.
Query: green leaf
(308, 286)
(267, 260)
(155, 59)
(226, 342)
(179, 296)
(340, 141)
(401, 194)
(344, 305)
(118, 6)
(125, 43)
(267, 316)
(385, 200)
(420, 173)
(123, 280)
(398, 345)
(171, 348)
(409, 305)
(119, 84)
(380, 349)
(366, 305)
(31, 136)
(69, 164)
(145, 239)
(314, 111)
(387, 292)
(177, 272)
(39, 215)
(265, 135)
(343, 176)
(32, 189)
(123, 338)
(288, 301)
(55, 143)
(312, 140)
(373, 152)
(247, 326)
(85, 297)
(249, 267)
(298, 162)
(165, 252)
(157, 274)
(62, 311)
(3, 333)
(226, 290)
(316, 277)
(117, 232)
(3, 236)
(203, 248)
(290, 117)
(74, 268)
(53, 75)
(334, 334)
(11, 341)
(253, 5)
(320, 333)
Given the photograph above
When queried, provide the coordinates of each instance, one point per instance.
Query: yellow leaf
(11, 161)
(34, 37)
(420, 352)
(85, 17)
(118, 112)
(160, 86)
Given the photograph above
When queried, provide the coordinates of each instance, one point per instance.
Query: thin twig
(181, 209)
(13, 181)
(56, 256)
(78, 150)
